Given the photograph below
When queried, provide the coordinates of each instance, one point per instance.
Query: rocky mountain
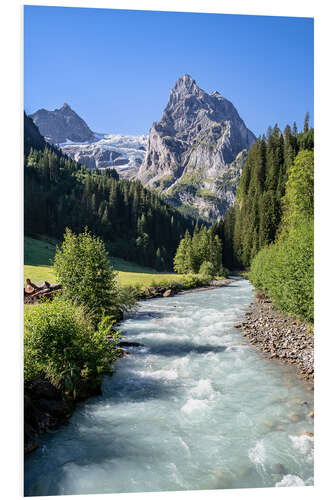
(71, 134)
(196, 152)
(62, 125)
(124, 153)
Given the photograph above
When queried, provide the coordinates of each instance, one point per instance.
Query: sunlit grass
(38, 255)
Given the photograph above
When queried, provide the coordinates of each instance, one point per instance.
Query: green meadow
(38, 265)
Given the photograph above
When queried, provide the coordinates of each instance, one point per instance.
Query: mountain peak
(61, 125)
(65, 107)
(185, 81)
(194, 149)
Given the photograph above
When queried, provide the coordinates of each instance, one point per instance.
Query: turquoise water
(196, 408)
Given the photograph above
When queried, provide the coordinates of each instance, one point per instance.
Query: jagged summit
(192, 150)
(66, 107)
(185, 81)
(62, 125)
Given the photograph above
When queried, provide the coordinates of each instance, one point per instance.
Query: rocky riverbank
(280, 336)
(45, 408)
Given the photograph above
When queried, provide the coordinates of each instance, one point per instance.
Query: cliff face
(196, 152)
(62, 125)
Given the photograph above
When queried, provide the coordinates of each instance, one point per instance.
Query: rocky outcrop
(62, 125)
(45, 408)
(196, 152)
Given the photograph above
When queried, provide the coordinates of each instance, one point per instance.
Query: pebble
(280, 336)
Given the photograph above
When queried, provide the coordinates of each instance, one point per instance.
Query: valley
(168, 291)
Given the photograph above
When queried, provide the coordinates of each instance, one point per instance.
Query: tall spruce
(253, 222)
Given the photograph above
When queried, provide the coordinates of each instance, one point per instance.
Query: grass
(39, 254)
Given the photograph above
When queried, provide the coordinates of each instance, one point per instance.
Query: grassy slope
(38, 256)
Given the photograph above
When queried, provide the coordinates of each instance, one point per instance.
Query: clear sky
(115, 68)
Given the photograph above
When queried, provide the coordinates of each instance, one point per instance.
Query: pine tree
(306, 123)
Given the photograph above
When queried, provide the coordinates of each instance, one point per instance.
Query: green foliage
(82, 267)
(298, 202)
(255, 220)
(204, 246)
(194, 281)
(207, 270)
(62, 345)
(284, 271)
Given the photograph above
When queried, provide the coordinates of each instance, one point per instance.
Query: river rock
(278, 469)
(130, 344)
(58, 409)
(41, 389)
(306, 433)
(168, 293)
(280, 336)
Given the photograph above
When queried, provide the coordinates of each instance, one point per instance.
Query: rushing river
(196, 407)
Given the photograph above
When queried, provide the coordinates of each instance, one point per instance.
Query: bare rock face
(196, 152)
(62, 125)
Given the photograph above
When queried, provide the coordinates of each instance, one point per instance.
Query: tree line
(270, 227)
(253, 222)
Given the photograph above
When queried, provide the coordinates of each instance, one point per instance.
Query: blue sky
(116, 67)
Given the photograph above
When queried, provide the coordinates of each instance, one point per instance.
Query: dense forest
(254, 220)
(137, 224)
(270, 227)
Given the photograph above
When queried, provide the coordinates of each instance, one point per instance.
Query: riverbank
(212, 286)
(178, 289)
(280, 336)
(45, 408)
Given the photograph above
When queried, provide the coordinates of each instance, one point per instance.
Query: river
(196, 407)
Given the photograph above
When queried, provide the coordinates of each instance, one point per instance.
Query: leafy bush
(284, 271)
(62, 345)
(83, 268)
(194, 281)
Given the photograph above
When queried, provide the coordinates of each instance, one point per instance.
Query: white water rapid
(196, 407)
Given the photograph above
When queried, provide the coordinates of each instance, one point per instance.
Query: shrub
(194, 281)
(207, 270)
(62, 345)
(284, 271)
(84, 270)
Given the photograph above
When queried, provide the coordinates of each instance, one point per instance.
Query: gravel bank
(279, 336)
